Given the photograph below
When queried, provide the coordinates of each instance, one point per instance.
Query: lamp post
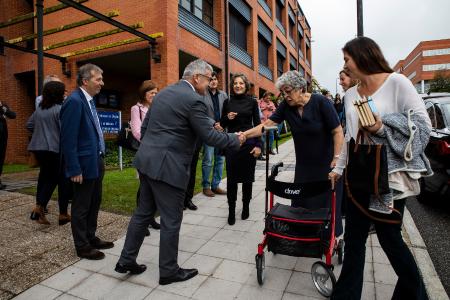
(359, 17)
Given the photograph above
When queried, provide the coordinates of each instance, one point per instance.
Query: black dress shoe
(100, 244)
(2, 186)
(90, 253)
(147, 233)
(191, 205)
(133, 269)
(180, 275)
(154, 224)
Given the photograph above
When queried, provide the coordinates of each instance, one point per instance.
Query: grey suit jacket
(222, 97)
(177, 118)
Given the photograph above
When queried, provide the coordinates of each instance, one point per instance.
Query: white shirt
(396, 95)
(88, 98)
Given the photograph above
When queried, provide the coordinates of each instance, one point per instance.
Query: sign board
(109, 121)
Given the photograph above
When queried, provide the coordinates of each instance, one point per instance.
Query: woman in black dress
(5, 112)
(241, 113)
(316, 132)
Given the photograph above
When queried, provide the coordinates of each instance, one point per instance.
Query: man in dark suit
(177, 119)
(83, 149)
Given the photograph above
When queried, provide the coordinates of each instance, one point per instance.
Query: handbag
(126, 139)
(367, 173)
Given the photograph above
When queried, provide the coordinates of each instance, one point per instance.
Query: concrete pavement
(225, 257)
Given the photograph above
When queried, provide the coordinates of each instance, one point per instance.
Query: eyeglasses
(208, 77)
(287, 92)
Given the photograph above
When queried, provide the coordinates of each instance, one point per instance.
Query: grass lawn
(120, 187)
(16, 168)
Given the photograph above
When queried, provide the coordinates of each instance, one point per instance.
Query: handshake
(241, 136)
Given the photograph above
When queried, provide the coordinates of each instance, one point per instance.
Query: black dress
(241, 165)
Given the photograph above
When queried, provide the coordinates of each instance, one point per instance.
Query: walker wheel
(323, 278)
(340, 251)
(260, 266)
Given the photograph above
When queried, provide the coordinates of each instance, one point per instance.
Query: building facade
(260, 38)
(421, 65)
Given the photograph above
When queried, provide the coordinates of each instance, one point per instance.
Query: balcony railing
(241, 55)
(265, 71)
(266, 7)
(193, 24)
(280, 26)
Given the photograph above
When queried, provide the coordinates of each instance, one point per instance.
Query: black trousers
(85, 206)
(191, 184)
(232, 188)
(50, 176)
(349, 286)
(3, 144)
(169, 201)
(152, 203)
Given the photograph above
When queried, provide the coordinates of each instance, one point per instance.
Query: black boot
(245, 209)
(231, 213)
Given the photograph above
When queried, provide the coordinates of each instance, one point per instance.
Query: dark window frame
(280, 63)
(237, 25)
(263, 45)
(207, 17)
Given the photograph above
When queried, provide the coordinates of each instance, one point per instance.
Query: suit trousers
(86, 201)
(191, 184)
(169, 201)
(350, 283)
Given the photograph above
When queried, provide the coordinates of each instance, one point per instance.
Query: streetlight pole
(359, 16)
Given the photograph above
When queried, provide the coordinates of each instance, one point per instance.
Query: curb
(433, 283)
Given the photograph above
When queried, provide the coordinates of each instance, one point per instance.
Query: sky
(396, 25)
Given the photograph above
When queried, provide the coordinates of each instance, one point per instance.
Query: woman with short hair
(45, 144)
(147, 91)
(316, 132)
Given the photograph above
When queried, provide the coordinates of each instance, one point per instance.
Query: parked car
(438, 149)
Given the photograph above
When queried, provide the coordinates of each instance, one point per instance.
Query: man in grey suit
(177, 118)
(214, 100)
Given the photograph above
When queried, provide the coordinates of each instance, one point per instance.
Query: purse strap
(376, 191)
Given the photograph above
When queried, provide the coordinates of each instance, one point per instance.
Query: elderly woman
(393, 95)
(240, 113)
(315, 129)
(147, 92)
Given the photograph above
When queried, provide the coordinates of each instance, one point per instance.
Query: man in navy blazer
(83, 149)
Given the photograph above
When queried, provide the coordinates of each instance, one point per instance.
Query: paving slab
(224, 255)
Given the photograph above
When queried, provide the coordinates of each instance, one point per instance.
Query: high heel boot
(231, 213)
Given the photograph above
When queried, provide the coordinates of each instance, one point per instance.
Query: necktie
(97, 126)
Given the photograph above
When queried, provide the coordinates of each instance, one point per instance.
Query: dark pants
(85, 206)
(50, 176)
(153, 207)
(169, 201)
(191, 183)
(349, 286)
(3, 144)
(232, 188)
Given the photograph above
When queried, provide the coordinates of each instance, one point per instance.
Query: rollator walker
(300, 231)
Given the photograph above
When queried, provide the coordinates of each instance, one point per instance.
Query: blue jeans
(207, 163)
(263, 139)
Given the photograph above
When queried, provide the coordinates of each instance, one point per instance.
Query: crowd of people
(173, 124)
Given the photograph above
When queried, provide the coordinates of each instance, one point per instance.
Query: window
(202, 9)
(280, 64)
(436, 67)
(279, 11)
(238, 30)
(434, 52)
(263, 51)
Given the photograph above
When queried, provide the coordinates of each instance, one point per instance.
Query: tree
(440, 82)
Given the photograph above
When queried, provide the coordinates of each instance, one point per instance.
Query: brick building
(265, 39)
(422, 63)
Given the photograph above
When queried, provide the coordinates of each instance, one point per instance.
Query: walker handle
(274, 171)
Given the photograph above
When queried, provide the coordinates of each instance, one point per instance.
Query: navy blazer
(79, 138)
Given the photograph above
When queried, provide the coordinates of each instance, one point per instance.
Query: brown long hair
(367, 55)
(244, 78)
